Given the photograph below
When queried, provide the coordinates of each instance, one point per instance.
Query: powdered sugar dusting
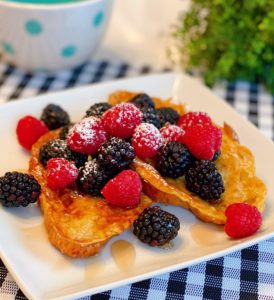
(87, 135)
(191, 119)
(63, 165)
(86, 129)
(122, 119)
(147, 140)
(172, 133)
(91, 167)
(60, 173)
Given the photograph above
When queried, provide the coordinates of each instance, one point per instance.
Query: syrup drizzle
(123, 253)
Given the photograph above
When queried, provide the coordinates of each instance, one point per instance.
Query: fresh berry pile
(94, 156)
(111, 136)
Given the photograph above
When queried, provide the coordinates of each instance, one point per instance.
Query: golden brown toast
(78, 224)
(236, 165)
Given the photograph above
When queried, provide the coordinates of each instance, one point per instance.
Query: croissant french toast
(78, 224)
(236, 165)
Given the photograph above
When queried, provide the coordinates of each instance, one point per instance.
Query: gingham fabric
(246, 274)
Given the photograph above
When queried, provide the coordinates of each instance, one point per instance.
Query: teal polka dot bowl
(51, 37)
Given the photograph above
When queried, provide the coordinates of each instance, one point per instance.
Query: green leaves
(231, 39)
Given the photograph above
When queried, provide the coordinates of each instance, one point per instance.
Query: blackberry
(64, 131)
(92, 178)
(203, 179)
(97, 110)
(216, 155)
(143, 101)
(156, 227)
(167, 115)
(115, 154)
(60, 148)
(54, 116)
(18, 189)
(173, 159)
(150, 116)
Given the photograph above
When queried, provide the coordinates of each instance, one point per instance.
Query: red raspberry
(146, 140)
(122, 119)
(242, 220)
(218, 137)
(29, 129)
(202, 140)
(87, 136)
(60, 173)
(192, 118)
(123, 190)
(172, 133)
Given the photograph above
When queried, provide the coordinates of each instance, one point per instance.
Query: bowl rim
(48, 7)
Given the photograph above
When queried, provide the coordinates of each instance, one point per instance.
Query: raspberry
(87, 136)
(29, 130)
(242, 220)
(202, 140)
(60, 173)
(193, 118)
(172, 133)
(122, 119)
(218, 138)
(146, 140)
(123, 190)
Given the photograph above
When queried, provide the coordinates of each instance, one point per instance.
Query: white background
(139, 31)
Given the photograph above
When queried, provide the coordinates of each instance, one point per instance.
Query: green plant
(231, 39)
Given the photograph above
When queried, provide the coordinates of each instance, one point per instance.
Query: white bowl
(50, 37)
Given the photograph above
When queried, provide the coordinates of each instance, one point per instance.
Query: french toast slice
(78, 224)
(236, 165)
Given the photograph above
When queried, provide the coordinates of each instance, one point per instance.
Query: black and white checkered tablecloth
(246, 274)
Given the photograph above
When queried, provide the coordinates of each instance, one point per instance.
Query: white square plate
(43, 273)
